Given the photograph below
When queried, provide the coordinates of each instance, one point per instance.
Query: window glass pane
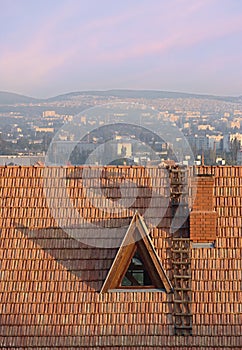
(136, 274)
(126, 282)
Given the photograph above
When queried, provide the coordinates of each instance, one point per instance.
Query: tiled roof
(50, 277)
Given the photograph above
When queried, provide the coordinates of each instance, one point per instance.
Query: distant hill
(8, 98)
(147, 94)
(152, 94)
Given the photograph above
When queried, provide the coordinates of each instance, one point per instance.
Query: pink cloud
(178, 37)
(141, 32)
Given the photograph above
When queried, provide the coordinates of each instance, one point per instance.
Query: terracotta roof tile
(50, 282)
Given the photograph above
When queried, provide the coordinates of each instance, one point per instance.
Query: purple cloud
(79, 45)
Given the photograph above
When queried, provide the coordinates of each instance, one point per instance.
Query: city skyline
(52, 48)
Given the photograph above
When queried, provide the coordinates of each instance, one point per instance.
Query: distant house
(120, 257)
(21, 160)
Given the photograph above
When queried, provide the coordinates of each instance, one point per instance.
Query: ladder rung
(182, 314)
(182, 276)
(180, 250)
(182, 301)
(178, 170)
(180, 239)
(182, 289)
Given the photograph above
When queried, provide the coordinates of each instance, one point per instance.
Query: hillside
(8, 98)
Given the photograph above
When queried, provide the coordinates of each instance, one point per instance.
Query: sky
(50, 47)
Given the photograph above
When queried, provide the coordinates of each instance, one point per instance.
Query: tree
(234, 148)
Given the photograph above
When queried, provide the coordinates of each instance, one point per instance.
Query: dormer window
(137, 265)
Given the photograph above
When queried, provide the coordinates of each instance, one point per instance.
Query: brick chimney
(203, 217)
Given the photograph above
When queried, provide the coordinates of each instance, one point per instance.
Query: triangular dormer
(137, 265)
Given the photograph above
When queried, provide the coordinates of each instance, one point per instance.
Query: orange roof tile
(51, 277)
